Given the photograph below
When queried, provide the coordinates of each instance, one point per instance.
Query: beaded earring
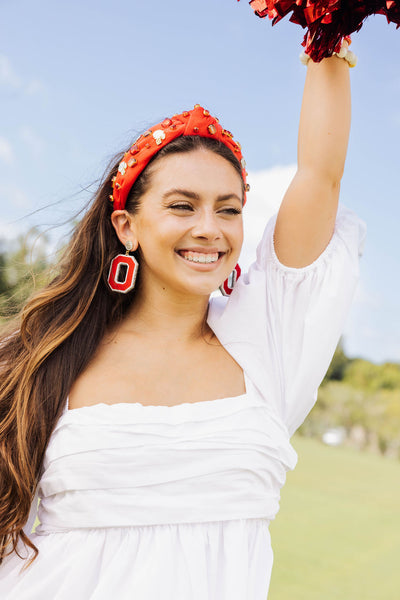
(117, 279)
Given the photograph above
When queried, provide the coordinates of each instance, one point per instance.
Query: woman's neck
(176, 317)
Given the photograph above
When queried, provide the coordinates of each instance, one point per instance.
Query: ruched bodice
(128, 464)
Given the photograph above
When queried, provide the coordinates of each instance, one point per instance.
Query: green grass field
(337, 534)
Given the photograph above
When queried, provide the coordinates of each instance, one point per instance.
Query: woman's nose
(206, 225)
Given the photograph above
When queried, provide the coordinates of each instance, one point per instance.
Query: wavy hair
(49, 344)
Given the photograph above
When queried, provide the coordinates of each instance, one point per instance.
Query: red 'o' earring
(227, 287)
(123, 271)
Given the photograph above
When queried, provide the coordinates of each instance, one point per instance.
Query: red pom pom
(327, 21)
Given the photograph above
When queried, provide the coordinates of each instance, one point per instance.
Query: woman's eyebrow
(196, 196)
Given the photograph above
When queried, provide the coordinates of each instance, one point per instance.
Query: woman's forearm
(325, 119)
(307, 214)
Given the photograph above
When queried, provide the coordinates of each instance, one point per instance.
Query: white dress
(174, 503)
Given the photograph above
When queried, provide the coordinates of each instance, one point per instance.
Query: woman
(152, 421)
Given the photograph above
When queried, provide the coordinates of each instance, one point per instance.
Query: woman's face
(189, 225)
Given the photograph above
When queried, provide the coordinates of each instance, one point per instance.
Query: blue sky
(79, 81)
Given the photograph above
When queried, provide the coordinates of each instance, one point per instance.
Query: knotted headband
(191, 122)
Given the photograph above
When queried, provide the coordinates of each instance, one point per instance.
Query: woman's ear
(124, 226)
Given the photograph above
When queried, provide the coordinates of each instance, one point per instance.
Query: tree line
(363, 399)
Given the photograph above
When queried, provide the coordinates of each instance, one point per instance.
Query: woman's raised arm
(307, 214)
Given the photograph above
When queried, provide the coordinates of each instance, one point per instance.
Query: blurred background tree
(361, 398)
(24, 265)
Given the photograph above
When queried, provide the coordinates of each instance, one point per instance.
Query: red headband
(191, 122)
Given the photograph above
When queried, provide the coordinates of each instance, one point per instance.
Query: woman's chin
(196, 287)
(201, 290)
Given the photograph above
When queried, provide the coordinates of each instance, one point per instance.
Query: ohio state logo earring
(123, 271)
(227, 287)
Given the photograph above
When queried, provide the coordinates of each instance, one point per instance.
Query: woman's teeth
(200, 257)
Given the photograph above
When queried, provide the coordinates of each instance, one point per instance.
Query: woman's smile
(203, 261)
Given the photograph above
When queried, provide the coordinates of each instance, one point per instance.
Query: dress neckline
(141, 406)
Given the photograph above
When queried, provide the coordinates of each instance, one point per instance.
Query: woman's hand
(307, 215)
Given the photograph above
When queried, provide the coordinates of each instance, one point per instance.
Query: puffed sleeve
(282, 324)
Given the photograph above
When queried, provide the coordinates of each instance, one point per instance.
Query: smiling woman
(151, 419)
(201, 215)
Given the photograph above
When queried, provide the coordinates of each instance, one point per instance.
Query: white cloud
(267, 188)
(366, 298)
(10, 79)
(8, 232)
(34, 87)
(372, 330)
(6, 151)
(12, 195)
(32, 140)
(8, 76)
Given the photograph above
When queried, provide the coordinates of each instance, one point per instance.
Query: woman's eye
(182, 206)
(232, 211)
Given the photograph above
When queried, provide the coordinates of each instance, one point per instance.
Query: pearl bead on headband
(191, 122)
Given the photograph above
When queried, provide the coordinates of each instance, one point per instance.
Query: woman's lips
(200, 259)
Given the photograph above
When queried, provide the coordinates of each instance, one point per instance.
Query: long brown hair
(51, 342)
